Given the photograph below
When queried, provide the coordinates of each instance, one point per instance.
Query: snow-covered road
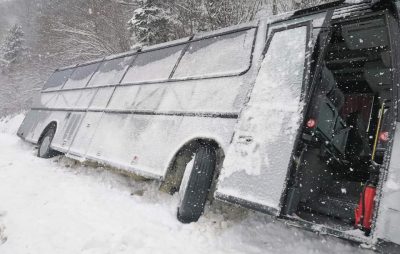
(53, 206)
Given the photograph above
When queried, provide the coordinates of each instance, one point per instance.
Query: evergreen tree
(158, 21)
(151, 23)
(12, 46)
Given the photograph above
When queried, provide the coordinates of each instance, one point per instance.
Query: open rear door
(255, 169)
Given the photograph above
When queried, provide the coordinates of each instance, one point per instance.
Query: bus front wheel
(44, 150)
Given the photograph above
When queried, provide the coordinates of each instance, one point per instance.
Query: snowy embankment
(55, 206)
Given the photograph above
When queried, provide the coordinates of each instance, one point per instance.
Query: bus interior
(346, 128)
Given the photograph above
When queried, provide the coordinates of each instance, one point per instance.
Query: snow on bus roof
(148, 48)
(225, 30)
(123, 54)
(97, 60)
(166, 44)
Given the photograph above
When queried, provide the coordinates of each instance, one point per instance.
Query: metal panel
(140, 140)
(84, 134)
(388, 220)
(67, 99)
(66, 129)
(44, 119)
(29, 123)
(45, 100)
(255, 168)
(85, 98)
(145, 144)
(101, 98)
(192, 96)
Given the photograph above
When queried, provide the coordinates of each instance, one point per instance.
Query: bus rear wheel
(44, 150)
(197, 185)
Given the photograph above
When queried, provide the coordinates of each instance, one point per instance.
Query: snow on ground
(55, 206)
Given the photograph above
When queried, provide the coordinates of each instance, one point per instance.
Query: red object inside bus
(384, 136)
(365, 208)
(311, 123)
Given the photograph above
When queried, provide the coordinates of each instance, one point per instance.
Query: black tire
(44, 150)
(198, 186)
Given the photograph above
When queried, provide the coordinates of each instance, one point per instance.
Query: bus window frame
(170, 78)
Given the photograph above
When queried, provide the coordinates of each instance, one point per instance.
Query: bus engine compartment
(339, 158)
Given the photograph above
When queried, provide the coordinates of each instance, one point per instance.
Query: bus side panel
(388, 221)
(67, 99)
(66, 129)
(44, 100)
(29, 124)
(36, 118)
(37, 126)
(255, 168)
(49, 116)
(164, 117)
(147, 143)
(214, 96)
(80, 143)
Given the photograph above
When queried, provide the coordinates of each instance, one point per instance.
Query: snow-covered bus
(295, 116)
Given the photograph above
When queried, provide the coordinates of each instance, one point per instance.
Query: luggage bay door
(255, 169)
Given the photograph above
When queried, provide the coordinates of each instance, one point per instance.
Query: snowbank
(57, 206)
(10, 124)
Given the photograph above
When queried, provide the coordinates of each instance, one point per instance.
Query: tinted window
(153, 65)
(111, 72)
(220, 55)
(57, 79)
(81, 76)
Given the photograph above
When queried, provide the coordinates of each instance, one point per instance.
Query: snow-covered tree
(12, 47)
(151, 23)
(230, 12)
(158, 21)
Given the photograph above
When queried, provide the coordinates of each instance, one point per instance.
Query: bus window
(153, 65)
(57, 80)
(220, 55)
(110, 72)
(81, 76)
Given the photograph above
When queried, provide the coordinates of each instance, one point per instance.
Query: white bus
(294, 116)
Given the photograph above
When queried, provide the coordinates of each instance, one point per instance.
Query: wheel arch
(178, 162)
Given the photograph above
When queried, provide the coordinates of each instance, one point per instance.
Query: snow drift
(59, 206)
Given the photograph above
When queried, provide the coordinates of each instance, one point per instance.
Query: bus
(294, 115)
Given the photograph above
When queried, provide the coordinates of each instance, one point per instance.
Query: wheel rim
(44, 147)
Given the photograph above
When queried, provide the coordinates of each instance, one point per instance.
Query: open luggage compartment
(346, 129)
